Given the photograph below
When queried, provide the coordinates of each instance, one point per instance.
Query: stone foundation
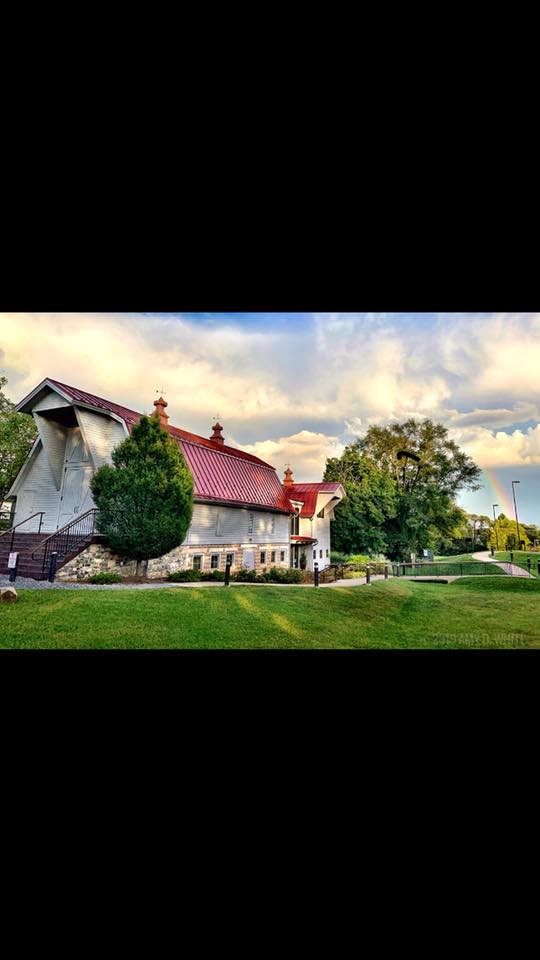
(98, 558)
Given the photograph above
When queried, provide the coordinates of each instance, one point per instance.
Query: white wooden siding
(320, 530)
(50, 401)
(235, 525)
(102, 434)
(38, 492)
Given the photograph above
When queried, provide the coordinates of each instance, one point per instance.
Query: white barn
(242, 512)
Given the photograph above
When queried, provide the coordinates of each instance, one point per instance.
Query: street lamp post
(495, 522)
(515, 508)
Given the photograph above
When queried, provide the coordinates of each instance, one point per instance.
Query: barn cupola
(159, 412)
(289, 479)
(216, 434)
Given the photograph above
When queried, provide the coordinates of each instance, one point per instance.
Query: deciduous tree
(360, 518)
(404, 494)
(17, 434)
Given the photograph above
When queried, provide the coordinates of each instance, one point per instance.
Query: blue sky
(296, 387)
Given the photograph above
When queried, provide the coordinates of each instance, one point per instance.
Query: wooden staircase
(24, 544)
(35, 549)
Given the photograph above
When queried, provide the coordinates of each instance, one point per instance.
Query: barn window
(219, 524)
(273, 556)
(282, 556)
(263, 556)
(320, 553)
(250, 524)
(314, 554)
(327, 553)
(197, 561)
(230, 558)
(273, 525)
(214, 561)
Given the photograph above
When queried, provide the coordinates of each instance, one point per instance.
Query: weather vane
(160, 391)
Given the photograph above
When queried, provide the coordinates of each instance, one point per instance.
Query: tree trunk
(142, 568)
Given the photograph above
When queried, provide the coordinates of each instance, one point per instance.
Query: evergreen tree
(145, 500)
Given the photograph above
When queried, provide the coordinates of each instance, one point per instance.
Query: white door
(75, 494)
(249, 559)
(75, 491)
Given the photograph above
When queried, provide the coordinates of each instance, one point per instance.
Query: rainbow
(501, 495)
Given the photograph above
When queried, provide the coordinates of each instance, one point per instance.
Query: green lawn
(520, 559)
(472, 612)
(460, 558)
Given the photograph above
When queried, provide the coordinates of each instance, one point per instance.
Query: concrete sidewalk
(511, 569)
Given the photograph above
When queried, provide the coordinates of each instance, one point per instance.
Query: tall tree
(425, 471)
(359, 525)
(503, 534)
(145, 500)
(17, 434)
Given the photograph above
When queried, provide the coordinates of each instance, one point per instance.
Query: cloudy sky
(298, 387)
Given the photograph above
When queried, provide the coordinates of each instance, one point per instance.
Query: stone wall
(98, 558)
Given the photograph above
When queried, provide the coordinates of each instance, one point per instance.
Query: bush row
(356, 559)
(274, 575)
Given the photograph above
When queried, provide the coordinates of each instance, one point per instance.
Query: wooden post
(386, 573)
(316, 574)
(227, 574)
(368, 574)
(529, 565)
(52, 568)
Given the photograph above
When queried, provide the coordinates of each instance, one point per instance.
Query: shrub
(184, 576)
(106, 577)
(283, 575)
(246, 576)
(213, 575)
(338, 558)
(358, 558)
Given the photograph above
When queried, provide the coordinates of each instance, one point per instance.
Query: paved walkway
(511, 568)
(25, 584)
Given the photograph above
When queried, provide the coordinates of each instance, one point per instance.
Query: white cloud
(499, 449)
(305, 451)
(475, 374)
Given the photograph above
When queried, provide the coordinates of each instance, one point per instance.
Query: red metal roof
(304, 539)
(308, 493)
(220, 473)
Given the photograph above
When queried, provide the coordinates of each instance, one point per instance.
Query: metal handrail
(62, 541)
(40, 514)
